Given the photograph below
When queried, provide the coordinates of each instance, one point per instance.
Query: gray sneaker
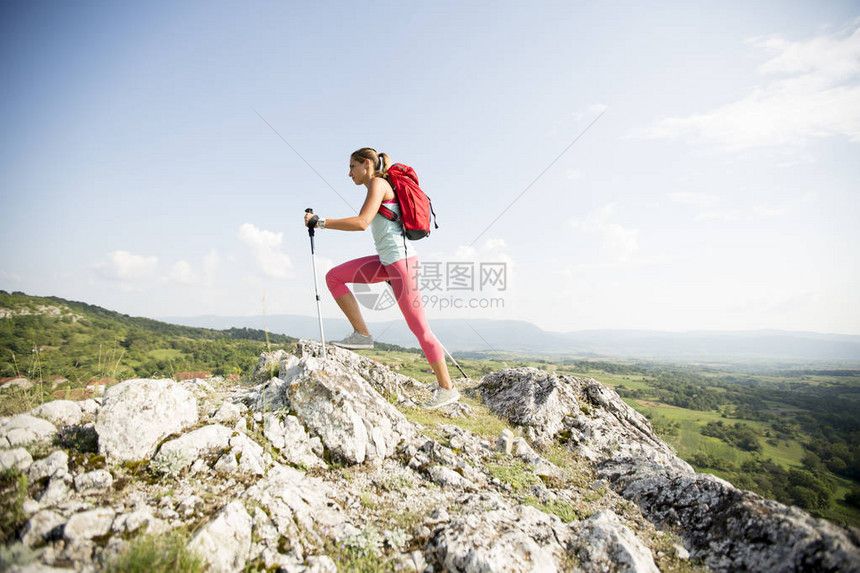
(442, 397)
(355, 341)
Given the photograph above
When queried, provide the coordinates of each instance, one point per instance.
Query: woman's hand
(308, 217)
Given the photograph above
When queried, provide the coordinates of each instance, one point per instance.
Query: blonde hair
(381, 161)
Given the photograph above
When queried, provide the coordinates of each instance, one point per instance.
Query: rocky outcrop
(312, 465)
(581, 412)
(728, 529)
(354, 421)
(731, 529)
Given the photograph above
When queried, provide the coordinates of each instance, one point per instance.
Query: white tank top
(388, 236)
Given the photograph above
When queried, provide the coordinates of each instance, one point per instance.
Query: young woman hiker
(368, 168)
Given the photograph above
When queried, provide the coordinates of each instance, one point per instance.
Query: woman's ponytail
(384, 165)
(381, 161)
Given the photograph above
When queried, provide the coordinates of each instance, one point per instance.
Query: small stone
(96, 482)
(681, 551)
(320, 564)
(17, 459)
(438, 516)
(89, 524)
(524, 451)
(39, 526)
(189, 506)
(58, 491)
(228, 412)
(446, 477)
(505, 442)
(55, 465)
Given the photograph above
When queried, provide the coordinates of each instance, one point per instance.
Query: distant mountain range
(485, 336)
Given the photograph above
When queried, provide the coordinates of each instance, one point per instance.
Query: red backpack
(415, 206)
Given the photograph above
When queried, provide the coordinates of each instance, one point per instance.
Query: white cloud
(127, 267)
(574, 174)
(810, 91)
(618, 243)
(182, 272)
(271, 260)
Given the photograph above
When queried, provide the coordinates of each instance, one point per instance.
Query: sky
(593, 165)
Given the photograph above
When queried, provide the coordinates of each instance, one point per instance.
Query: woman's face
(360, 171)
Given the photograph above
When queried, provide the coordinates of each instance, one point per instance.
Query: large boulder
(581, 412)
(137, 414)
(532, 398)
(732, 529)
(354, 422)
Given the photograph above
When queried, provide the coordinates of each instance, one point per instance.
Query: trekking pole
(452, 360)
(311, 226)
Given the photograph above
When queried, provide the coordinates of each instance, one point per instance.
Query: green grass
(484, 423)
(13, 492)
(164, 553)
(516, 474)
(565, 510)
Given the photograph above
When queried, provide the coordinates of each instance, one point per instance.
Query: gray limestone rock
(60, 413)
(447, 477)
(530, 397)
(17, 459)
(89, 524)
(731, 529)
(229, 412)
(301, 508)
(138, 414)
(177, 454)
(89, 406)
(96, 482)
(225, 541)
(512, 540)
(40, 526)
(383, 379)
(54, 465)
(606, 545)
(352, 419)
(24, 429)
(290, 438)
(505, 443)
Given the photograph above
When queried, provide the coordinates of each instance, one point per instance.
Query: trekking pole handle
(312, 222)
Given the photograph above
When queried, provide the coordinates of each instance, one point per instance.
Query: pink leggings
(368, 270)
